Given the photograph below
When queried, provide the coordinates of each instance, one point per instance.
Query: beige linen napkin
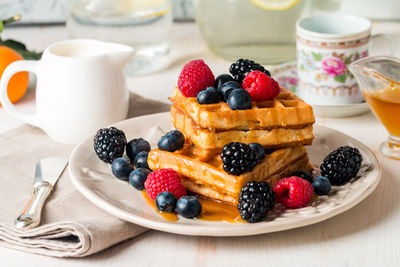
(71, 226)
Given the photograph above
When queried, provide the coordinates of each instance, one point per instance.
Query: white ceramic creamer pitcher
(80, 88)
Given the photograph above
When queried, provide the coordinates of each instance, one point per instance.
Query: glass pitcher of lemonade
(379, 80)
(261, 30)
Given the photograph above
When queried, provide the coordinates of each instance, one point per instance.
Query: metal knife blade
(48, 170)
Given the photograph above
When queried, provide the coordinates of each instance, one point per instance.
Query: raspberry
(293, 192)
(260, 86)
(164, 180)
(195, 77)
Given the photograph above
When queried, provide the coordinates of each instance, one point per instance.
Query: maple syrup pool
(211, 211)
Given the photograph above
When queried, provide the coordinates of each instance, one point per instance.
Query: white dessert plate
(93, 178)
(286, 75)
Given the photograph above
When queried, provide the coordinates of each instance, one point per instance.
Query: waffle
(286, 110)
(212, 193)
(208, 178)
(214, 141)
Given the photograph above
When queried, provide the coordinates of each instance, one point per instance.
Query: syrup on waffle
(214, 141)
(208, 178)
(286, 110)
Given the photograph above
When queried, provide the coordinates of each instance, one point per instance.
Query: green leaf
(13, 44)
(21, 49)
(316, 56)
(301, 66)
(347, 60)
(304, 53)
(340, 78)
(1, 26)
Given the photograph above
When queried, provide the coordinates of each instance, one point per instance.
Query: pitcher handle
(17, 66)
(392, 43)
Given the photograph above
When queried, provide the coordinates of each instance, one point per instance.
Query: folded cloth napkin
(71, 226)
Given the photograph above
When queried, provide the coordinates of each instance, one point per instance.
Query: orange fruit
(19, 82)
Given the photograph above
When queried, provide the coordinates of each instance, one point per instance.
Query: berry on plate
(188, 207)
(321, 185)
(137, 177)
(242, 67)
(195, 77)
(135, 146)
(166, 201)
(171, 141)
(304, 175)
(208, 96)
(238, 158)
(341, 165)
(121, 168)
(239, 99)
(259, 149)
(141, 160)
(255, 200)
(293, 192)
(109, 144)
(225, 90)
(164, 180)
(260, 86)
(221, 79)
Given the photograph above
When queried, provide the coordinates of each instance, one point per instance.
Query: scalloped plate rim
(196, 227)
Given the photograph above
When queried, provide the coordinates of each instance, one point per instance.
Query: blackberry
(242, 67)
(109, 144)
(341, 165)
(255, 200)
(238, 158)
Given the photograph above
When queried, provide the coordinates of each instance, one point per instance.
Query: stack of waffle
(283, 126)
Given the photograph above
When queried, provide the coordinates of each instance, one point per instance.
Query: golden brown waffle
(208, 139)
(210, 192)
(209, 179)
(286, 110)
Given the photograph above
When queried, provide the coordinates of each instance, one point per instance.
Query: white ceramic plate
(286, 75)
(94, 180)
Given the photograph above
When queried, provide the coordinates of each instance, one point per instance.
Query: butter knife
(48, 170)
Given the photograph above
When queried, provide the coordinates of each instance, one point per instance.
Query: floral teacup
(325, 46)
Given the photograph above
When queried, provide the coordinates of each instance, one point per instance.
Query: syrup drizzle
(211, 211)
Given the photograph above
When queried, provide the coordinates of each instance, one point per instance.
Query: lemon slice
(150, 7)
(275, 4)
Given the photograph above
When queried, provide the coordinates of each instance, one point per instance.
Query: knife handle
(30, 216)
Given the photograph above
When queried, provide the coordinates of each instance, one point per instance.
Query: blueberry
(304, 175)
(259, 150)
(239, 99)
(221, 79)
(138, 177)
(226, 89)
(208, 96)
(188, 206)
(135, 146)
(121, 168)
(321, 185)
(141, 160)
(166, 201)
(172, 141)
